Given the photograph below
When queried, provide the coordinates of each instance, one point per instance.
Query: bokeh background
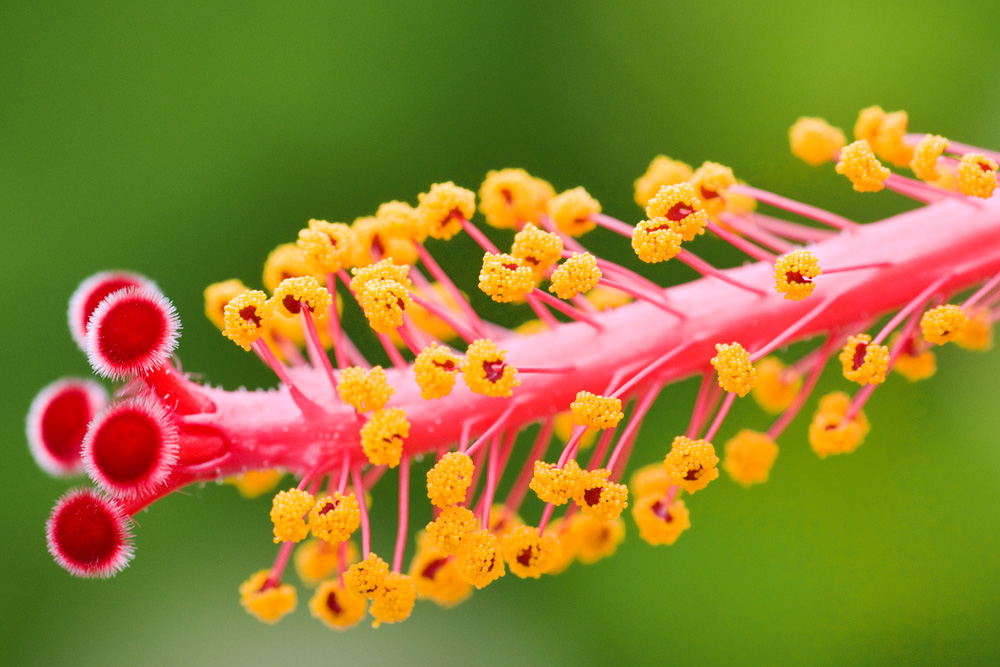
(185, 139)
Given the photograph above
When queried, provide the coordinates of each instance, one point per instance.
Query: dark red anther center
(131, 330)
(493, 370)
(511, 267)
(984, 166)
(679, 211)
(333, 242)
(708, 194)
(859, 355)
(85, 533)
(291, 304)
(661, 510)
(100, 292)
(693, 474)
(524, 558)
(593, 496)
(453, 213)
(431, 569)
(127, 447)
(249, 314)
(507, 196)
(448, 365)
(329, 507)
(796, 277)
(333, 604)
(64, 423)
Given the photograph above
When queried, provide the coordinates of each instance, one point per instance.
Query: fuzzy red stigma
(88, 534)
(57, 423)
(131, 448)
(91, 292)
(133, 332)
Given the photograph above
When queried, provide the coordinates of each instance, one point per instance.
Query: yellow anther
(294, 293)
(607, 298)
(442, 208)
(288, 511)
(334, 518)
(977, 175)
(364, 390)
(400, 220)
(860, 165)
(485, 370)
(373, 242)
(925, 155)
(451, 527)
(437, 577)
(268, 602)
(889, 142)
(556, 485)
(537, 248)
(246, 316)
(654, 241)
(710, 181)
(285, 261)
(327, 246)
(916, 362)
(393, 602)
(661, 171)
(511, 197)
(337, 607)
(563, 428)
(777, 386)
(480, 559)
(571, 211)
(943, 324)
(679, 207)
(598, 497)
(794, 274)
(503, 520)
(449, 479)
(864, 362)
(595, 411)
(505, 278)
(691, 464)
(255, 483)
(814, 141)
(749, 457)
(736, 373)
(435, 369)
(978, 333)
(382, 436)
(829, 434)
(868, 123)
(577, 275)
(384, 302)
(366, 577)
(217, 295)
(660, 522)
(385, 269)
(529, 554)
(316, 560)
(650, 480)
(593, 538)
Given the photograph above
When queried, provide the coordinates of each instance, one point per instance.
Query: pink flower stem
(627, 276)
(789, 230)
(706, 269)
(404, 513)
(793, 329)
(901, 345)
(923, 192)
(467, 334)
(316, 352)
(280, 562)
(345, 471)
(336, 332)
(656, 300)
(727, 403)
(597, 456)
(307, 406)
(479, 237)
(359, 493)
(739, 243)
(981, 293)
(520, 487)
(492, 468)
(494, 427)
(701, 404)
(954, 147)
(408, 337)
(510, 439)
(477, 473)
(456, 294)
(818, 364)
(563, 308)
(756, 233)
(858, 267)
(569, 451)
(792, 206)
(546, 517)
(641, 408)
(612, 224)
(914, 303)
(648, 370)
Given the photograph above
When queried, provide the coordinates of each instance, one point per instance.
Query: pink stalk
(541, 311)
(359, 493)
(305, 405)
(334, 322)
(406, 333)
(818, 364)
(546, 516)
(345, 471)
(479, 237)
(563, 308)
(720, 416)
(284, 553)
(923, 192)
(654, 299)
(404, 514)
(467, 334)
(904, 312)
(739, 243)
(612, 224)
(756, 233)
(520, 488)
(633, 425)
(706, 269)
(607, 435)
(793, 329)
(701, 404)
(449, 286)
(862, 396)
(792, 206)
(316, 352)
(954, 147)
(492, 470)
(494, 427)
(858, 267)
(789, 230)
(981, 293)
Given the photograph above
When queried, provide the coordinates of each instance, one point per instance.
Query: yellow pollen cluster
(556, 485)
(691, 464)
(925, 155)
(777, 385)
(384, 302)
(679, 208)
(860, 165)
(511, 197)
(977, 175)
(597, 497)
(268, 604)
(564, 425)
(916, 362)
(529, 554)
(650, 479)
(316, 560)
(943, 324)
(654, 241)
(435, 369)
(661, 171)
(486, 372)
(794, 274)
(288, 511)
(536, 248)
(246, 316)
(327, 246)
(451, 527)
(382, 436)
(217, 295)
(400, 220)
(829, 434)
(437, 577)
(255, 483)
(606, 298)
(505, 278)
(442, 207)
(814, 141)
(658, 521)
(710, 181)
(385, 269)
(590, 538)
(364, 390)
(577, 275)
(334, 518)
(978, 333)
(749, 457)
(449, 479)
(480, 559)
(863, 361)
(889, 142)
(571, 211)
(736, 373)
(503, 520)
(294, 293)
(393, 601)
(366, 577)
(337, 607)
(374, 242)
(285, 261)
(596, 411)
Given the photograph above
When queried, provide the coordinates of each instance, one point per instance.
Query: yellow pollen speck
(680, 208)
(486, 372)
(511, 197)
(571, 211)
(480, 559)
(435, 369)
(578, 274)
(449, 479)
(382, 436)
(393, 602)
(860, 165)
(829, 434)
(529, 554)
(505, 278)
(736, 373)
(365, 578)
(451, 527)
(268, 604)
(316, 560)
(364, 390)
(654, 241)
(598, 497)
(334, 518)
(658, 521)
(863, 361)
(661, 171)
(255, 483)
(294, 293)
(691, 464)
(443, 206)
(288, 511)
(925, 155)
(777, 385)
(814, 141)
(977, 175)
(794, 274)
(537, 248)
(749, 457)
(595, 411)
(556, 485)
(385, 269)
(943, 324)
(246, 316)
(337, 607)
(327, 246)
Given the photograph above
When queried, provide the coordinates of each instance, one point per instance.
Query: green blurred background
(185, 139)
